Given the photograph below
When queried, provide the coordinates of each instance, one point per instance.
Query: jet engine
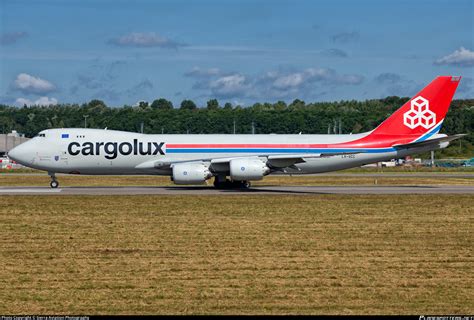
(191, 173)
(248, 169)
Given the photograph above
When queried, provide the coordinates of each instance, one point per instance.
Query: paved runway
(294, 190)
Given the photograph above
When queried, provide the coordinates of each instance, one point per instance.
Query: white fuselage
(108, 152)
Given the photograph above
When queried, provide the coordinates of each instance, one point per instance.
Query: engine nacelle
(191, 173)
(248, 169)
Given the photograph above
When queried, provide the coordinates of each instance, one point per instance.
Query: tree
(188, 105)
(96, 103)
(96, 107)
(297, 103)
(213, 104)
(162, 104)
(143, 104)
(228, 106)
(280, 105)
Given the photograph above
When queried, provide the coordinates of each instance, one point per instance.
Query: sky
(242, 52)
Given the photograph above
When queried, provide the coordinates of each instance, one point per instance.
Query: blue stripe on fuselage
(429, 134)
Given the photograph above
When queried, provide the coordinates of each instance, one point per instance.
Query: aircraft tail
(424, 113)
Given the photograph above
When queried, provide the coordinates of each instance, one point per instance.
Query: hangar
(10, 140)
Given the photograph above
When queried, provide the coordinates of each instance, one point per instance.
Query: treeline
(162, 117)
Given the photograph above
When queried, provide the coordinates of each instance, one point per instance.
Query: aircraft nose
(20, 154)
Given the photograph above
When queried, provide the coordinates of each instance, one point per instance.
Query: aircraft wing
(159, 164)
(273, 160)
(428, 142)
(287, 160)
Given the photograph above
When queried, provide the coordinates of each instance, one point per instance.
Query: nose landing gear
(54, 183)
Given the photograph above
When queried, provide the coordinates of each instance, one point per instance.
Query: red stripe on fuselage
(370, 141)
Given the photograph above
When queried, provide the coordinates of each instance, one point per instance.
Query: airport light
(85, 120)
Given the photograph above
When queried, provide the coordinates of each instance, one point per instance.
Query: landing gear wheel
(217, 184)
(221, 182)
(54, 183)
(245, 184)
(228, 184)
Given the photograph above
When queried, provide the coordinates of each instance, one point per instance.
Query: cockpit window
(41, 135)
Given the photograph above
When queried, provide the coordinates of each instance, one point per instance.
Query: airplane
(234, 160)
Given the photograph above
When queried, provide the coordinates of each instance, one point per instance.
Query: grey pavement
(260, 190)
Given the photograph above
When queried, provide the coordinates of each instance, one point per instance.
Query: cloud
(394, 84)
(113, 69)
(274, 84)
(202, 73)
(111, 94)
(43, 101)
(345, 37)
(388, 78)
(140, 88)
(99, 80)
(335, 53)
(229, 86)
(102, 80)
(23, 101)
(282, 81)
(289, 80)
(403, 89)
(331, 77)
(89, 82)
(144, 84)
(461, 58)
(12, 37)
(145, 39)
(29, 84)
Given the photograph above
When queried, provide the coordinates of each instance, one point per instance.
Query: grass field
(324, 254)
(305, 180)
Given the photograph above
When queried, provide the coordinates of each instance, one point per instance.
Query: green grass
(297, 180)
(324, 254)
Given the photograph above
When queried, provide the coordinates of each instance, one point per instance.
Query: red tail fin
(424, 112)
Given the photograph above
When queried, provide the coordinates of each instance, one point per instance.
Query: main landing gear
(223, 183)
(54, 183)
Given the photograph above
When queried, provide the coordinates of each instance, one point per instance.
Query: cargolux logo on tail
(419, 114)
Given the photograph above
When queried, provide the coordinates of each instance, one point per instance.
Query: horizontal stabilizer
(429, 142)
